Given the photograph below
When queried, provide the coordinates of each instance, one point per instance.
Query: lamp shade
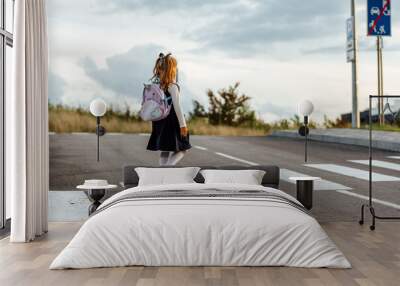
(98, 107)
(305, 108)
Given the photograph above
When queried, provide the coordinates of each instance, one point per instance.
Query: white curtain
(28, 123)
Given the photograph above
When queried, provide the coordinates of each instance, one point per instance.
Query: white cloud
(217, 44)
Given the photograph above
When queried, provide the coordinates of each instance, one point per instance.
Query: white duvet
(202, 232)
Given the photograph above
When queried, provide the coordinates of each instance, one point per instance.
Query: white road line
(52, 133)
(81, 133)
(353, 172)
(320, 185)
(344, 192)
(236, 159)
(200, 148)
(385, 203)
(144, 134)
(115, 133)
(378, 163)
(393, 157)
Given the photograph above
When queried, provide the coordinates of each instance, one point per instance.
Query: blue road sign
(379, 17)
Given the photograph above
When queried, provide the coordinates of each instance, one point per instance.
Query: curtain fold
(29, 158)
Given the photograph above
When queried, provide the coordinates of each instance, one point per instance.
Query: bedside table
(95, 190)
(304, 190)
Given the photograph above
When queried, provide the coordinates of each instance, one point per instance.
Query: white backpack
(155, 103)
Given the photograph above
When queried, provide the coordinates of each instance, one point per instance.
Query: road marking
(200, 148)
(342, 191)
(81, 133)
(320, 185)
(393, 157)
(143, 134)
(115, 133)
(52, 133)
(353, 172)
(378, 163)
(378, 201)
(236, 159)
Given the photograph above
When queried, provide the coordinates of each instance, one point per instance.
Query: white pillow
(248, 177)
(166, 176)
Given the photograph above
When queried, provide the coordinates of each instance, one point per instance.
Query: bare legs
(167, 159)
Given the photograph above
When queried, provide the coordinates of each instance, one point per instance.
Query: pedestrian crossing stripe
(353, 172)
(393, 157)
(320, 185)
(378, 163)
(200, 148)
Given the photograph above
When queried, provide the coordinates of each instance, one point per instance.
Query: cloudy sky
(282, 51)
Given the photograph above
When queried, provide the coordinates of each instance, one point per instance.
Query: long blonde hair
(165, 70)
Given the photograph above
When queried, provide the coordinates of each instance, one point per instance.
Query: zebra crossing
(360, 175)
(323, 184)
(363, 174)
(338, 169)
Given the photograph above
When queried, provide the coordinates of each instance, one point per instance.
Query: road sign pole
(379, 25)
(382, 92)
(378, 64)
(355, 116)
(380, 79)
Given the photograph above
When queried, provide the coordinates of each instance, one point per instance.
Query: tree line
(226, 107)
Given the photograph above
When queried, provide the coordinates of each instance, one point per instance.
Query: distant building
(364, 116)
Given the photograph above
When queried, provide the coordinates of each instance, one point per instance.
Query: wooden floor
(375, 257)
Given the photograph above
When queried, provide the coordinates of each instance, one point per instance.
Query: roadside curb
(388, 144)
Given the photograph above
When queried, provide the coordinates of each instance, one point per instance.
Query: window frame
(6, 39)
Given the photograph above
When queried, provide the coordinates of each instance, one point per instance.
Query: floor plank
(375, 257)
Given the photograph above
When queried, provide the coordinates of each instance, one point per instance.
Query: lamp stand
(100, 131)
(98, 137)
(306, 138)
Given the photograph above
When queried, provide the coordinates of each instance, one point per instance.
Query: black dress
(166, 134)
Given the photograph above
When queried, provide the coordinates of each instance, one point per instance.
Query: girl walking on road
(169, 135)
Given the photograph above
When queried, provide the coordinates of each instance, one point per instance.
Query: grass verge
(67, 120)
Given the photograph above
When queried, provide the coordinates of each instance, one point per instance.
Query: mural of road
(337, 197)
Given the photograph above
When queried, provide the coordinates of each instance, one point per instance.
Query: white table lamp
(98, 108)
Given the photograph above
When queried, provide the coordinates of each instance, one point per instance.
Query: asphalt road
(73, 159)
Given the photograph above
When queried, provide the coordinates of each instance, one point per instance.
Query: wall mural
(242, 75)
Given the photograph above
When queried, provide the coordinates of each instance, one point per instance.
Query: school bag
(155, 104)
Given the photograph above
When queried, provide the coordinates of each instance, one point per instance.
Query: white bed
(200, 231)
